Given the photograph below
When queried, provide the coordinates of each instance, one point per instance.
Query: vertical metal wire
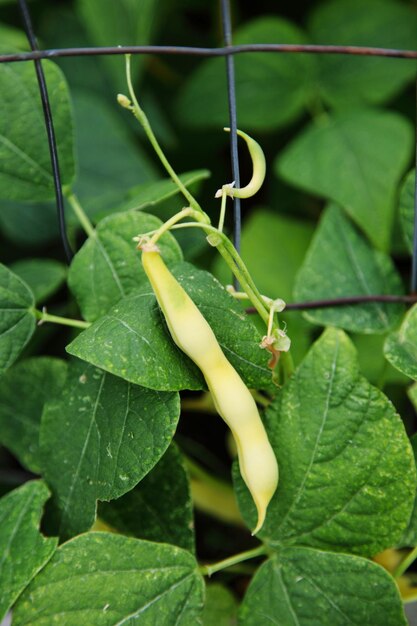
(413, 282)
(49, 130)
(231, 91)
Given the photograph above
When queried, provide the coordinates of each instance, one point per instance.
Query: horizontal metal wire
(346, 301)
(209, 52)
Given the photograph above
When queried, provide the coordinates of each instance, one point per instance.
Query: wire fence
(228, 51)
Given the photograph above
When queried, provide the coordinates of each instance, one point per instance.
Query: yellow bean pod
(233, 400)
(258, 175)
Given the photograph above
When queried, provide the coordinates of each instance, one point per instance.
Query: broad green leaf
(283, 242)
(43, 276)
(153, 193)
(272, 89)
(132, 339)
(109, 161)
(347, 472)
(409, 537)
(17, 321)
(407, 208)
(23, 550)
(12, 39)
(159, 508)
(401, 347)
(24, 390)
(345, 81)
(220, 608)
(373, 148)
(108, 266)
(100, 438)
(101, 579)
(29, 224)
(25, 171)
(125, 23)
(302, 587)
(340, 263)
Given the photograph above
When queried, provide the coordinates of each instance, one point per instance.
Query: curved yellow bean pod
(259, 170)
(233, 400)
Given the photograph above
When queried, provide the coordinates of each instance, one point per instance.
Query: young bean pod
(258, 175)
(233, 400)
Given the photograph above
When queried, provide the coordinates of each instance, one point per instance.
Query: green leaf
(409, 537)
(17, 321)
(300, 587)
(220, 608)
(407, 208)
(340, 263)
(347, 473)
(100, 438)
(159, 508)
(132, 340)
(374, 148)
(25, 173)
(103, 579)
(108, 266)
(126, 23)
(27, 223)
(109, 161)
(43, 276)
(401, 347)
(24, 390)
(345, 81)
(272, 89)
(24, 551)
(11, 38)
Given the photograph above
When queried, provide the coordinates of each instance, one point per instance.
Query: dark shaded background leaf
(355, 158)
(341, 263)
(272, 89)
(24, 390)
(159, 508)
(345, 81)
(25, 173)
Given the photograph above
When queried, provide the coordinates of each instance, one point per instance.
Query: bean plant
(125, 498)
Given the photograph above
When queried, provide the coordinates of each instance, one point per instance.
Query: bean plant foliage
(122, 500)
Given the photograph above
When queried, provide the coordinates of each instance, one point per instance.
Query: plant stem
(244, 279)
(172, 221)
(144, 122)
(405, 563)
(222, 211)
(209, 570)
(212, 495)
(81, 214)
(43, 316)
